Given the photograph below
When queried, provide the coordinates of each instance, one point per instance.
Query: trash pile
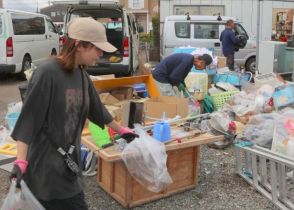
(259, 113)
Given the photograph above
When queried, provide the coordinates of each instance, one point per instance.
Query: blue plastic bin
(11, 119)
(141, 90)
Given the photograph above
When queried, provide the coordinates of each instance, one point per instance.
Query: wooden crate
(182, 163)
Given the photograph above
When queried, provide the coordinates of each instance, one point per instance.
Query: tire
(26, 64)
(251, 65)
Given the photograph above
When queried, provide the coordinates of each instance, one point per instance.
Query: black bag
(72, 169)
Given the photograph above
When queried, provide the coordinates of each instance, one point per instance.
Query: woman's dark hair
(67, 55)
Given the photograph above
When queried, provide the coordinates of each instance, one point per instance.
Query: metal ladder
(271, 173)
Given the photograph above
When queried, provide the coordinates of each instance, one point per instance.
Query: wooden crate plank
(111, 154)
(119, 179)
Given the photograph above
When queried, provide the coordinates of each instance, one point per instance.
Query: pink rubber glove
(127, 134)
(19, 168)
(124, 130)
(22, 164)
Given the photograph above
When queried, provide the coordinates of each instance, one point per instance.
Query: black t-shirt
(50, 113)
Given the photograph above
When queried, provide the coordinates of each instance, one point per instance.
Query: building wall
(244, 10)
(143, 14)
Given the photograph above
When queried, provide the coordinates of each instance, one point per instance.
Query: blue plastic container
(234, 78)
(11, 119)
(161, 131)
(141, 89)
(283, 96)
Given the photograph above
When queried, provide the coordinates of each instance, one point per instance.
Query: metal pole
(257, 34)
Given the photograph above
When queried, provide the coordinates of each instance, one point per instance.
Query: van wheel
(53, 52)
(26, 64)
(251, 65)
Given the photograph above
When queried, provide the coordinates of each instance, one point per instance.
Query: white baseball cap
(88, 29)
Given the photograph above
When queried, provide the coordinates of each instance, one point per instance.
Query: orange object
(125, 81)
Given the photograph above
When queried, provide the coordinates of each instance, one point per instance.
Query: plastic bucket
(11, 119)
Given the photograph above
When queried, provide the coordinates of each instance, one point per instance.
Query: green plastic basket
(219, 99)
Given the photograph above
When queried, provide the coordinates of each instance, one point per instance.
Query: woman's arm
(22, 150)
(114, 126)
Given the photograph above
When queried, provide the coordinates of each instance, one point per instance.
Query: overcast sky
(25, 5)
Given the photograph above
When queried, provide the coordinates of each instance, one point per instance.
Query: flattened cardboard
(171, 105)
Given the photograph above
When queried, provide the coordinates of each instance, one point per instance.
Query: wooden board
(112, 154)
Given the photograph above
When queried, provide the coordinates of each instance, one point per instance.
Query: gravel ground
(219, 187)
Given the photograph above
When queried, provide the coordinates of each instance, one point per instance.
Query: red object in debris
(271, 101)
(232, 127)
(111, 134)
(178, 140)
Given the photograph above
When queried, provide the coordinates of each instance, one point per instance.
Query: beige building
(143, 11)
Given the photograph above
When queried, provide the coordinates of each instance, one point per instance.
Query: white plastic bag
(145, 159)
(260, 129)
(4, 133)
(20, 199)
(283, 139)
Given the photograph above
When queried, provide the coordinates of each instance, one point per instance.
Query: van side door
(206, 34)
(2, 40)
(134, 39)
(52, 36)
(176, 34)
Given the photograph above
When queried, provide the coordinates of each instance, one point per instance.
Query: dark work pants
(230, 61)
(76, 202)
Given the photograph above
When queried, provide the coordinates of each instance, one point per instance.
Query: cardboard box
(221, 62)
(124, 93)
(124, 112)
(171, 105)
(107, 99)
(115, 112)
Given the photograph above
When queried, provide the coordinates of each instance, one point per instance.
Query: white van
(121, 31)
(25, 38)
(204, 31)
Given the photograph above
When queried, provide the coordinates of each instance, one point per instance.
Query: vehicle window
(27, 24)
(1, 24)
(51, 27)
(240, 30)
(206, 31)
(182, 29)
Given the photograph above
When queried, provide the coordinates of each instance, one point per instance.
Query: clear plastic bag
(260, 129)
(145, 159)
(20, 199)
(283, 139)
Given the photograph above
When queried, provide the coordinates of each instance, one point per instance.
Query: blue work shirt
(228, 40)
(173, 69)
